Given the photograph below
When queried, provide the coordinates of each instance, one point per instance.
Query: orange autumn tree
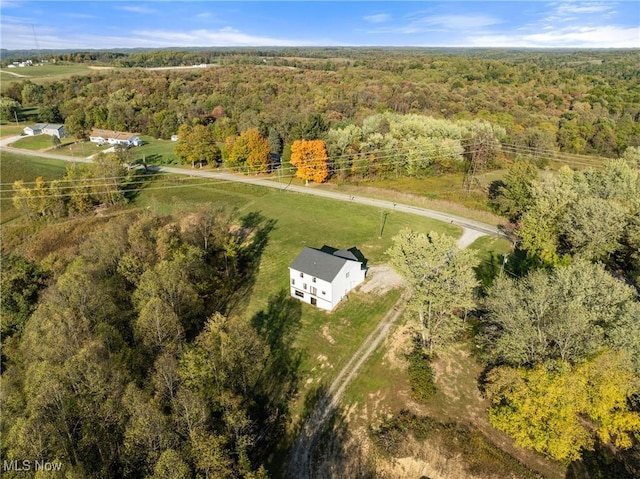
(310, 159)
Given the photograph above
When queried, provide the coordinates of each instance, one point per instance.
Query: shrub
(420, 375)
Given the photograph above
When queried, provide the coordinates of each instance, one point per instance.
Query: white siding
(327, 295)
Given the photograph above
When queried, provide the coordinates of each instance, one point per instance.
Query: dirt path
(300, 466)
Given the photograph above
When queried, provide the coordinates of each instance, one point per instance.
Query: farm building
(323, 277)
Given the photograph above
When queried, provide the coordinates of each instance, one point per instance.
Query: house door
(313, 301)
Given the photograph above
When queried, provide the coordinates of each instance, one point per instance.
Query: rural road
(471, 229)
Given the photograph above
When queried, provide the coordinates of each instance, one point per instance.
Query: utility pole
(383, 220)
(505, 258)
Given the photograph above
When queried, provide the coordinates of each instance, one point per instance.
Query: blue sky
(121, 24)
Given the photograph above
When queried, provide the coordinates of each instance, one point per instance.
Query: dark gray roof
(318, 263)
(346, 254)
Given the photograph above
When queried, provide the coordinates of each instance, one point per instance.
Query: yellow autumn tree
(558, 409)
(310, 159)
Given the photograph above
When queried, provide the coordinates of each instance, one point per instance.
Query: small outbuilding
(323, 277)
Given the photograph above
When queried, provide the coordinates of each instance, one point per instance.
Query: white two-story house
(323, 278)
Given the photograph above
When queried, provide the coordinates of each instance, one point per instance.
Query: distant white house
(112, 137)
(51, 129)
(54, 130)
(323, 278)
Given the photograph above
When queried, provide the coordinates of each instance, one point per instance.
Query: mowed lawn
(39, 142)
(18, 167)
(300, 220)
(155, 151)
(327, 339)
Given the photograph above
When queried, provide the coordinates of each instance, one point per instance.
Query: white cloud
(579, 8)
(607, 36)
(16, 37)
(430, 23)
(137, 9)
(81, 16)
(378, 18)
(227, 36)
(10, 4)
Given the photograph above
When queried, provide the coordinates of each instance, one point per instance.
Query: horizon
(73, 25)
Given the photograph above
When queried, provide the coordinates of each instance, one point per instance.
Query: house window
(302, 275)
(299, 294)
(313, 280)
(293, 281)
(347, 274)
(304, 285)
(314, 290)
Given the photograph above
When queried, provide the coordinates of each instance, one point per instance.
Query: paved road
(476, 228)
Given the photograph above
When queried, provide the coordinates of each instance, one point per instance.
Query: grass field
(327, 339)
(41, 73)
(155, 151)
(39, 142)
(446, 187)
(17, 167)
(81, 149)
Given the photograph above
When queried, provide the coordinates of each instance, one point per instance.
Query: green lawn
(39, 142)
(491, 252)
(155, 151)
(17, 167)
(301, 220)
(81, 149)
(328, 339)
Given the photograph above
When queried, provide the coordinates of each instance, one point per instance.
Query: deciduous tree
(310, 159)
(441, 281)
(558, 409)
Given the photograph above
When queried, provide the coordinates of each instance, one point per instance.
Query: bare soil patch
(382, 278)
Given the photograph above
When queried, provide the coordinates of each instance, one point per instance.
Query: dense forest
(575, 102)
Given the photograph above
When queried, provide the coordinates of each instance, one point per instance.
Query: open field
(446, 187)
(301, 220)
(81, 149)
(40, 74)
